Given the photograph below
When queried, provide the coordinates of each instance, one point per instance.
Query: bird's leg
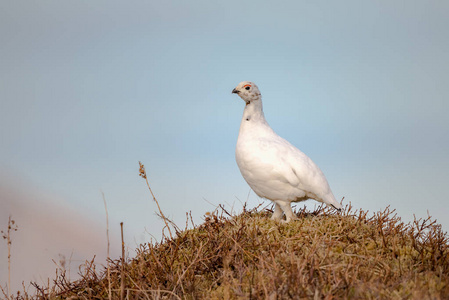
(277, 215)
(287, 208)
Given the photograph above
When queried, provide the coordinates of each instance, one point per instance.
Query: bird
(273, 168)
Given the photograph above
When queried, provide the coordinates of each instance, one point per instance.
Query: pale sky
(89, 88)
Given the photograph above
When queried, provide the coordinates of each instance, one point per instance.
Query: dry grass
(323, 255)
(12, 226)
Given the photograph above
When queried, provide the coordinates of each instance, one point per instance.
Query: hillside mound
(322, 255)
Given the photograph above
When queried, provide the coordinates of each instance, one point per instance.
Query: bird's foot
(288, 219)
(276, 217)
(277, 214)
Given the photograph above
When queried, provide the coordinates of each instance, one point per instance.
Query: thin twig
(12, 226)
(143, 174)
(154, 291)
(122, 271)
(108, 257)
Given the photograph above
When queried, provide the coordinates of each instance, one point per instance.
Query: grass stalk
(122, 269)
(12, 226)
(108, 257)
(143, 174)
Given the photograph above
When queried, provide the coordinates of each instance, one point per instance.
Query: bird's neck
(253, 120)
(253, 112)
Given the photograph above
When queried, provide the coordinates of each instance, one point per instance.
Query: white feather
(274, 168)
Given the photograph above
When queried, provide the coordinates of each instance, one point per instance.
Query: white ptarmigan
(274, 168)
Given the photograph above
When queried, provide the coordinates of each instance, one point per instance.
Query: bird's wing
(276, 157)
(311, 178)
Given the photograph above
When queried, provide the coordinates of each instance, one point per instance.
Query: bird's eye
(247, 88)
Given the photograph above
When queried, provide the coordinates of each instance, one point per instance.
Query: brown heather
(322, 255)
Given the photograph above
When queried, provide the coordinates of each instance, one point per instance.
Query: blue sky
(88, 89)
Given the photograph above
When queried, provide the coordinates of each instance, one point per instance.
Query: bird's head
(248, 91)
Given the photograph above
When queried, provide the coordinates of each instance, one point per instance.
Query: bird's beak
(234, 91)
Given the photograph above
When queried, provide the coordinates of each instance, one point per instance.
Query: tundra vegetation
(354, 254)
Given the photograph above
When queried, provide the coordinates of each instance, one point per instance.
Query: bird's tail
(331, 201)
